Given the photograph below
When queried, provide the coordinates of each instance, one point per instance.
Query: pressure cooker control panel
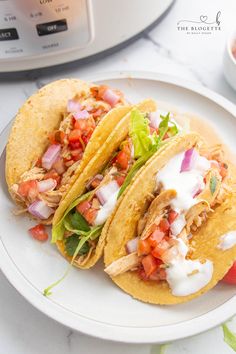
(38, 27)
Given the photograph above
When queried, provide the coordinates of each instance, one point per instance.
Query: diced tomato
(39, 232)
(172, 216)
(83, 207)
(75, 145)
(150, 264)
(162, 274)
(101, 90)
(156, 237)
(27, 187)
(86, 138)
(120, 180)
(230, 277)
(164, 225)
(81, 124)
(53, 174)
(74, 135)
(144, 247)
(160, 249)
(142, 275)
(122, 160)
(94, 91)
(223, 172)
(90, 215)
(56, 137)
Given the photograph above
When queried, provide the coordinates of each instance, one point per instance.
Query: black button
(44, 29)
(8, 34)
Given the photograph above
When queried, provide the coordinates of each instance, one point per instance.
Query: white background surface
(195, 57)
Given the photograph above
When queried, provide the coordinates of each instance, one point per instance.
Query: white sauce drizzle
(105, 211)
(178, 225)
(185, 277)
(227, 240)
(185, 183)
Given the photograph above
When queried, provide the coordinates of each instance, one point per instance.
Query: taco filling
(188, 187)
(41, 188)
(79, 230)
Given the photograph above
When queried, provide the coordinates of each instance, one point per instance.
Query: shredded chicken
(66, 124)
(214, 152)
(123, 264)
(35, 173)
(155, 211)
(69, 173)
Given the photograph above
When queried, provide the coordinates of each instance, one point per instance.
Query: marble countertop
(193, 57)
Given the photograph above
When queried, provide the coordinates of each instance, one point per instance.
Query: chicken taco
(81, 221)
(55, 134)
(166, 242)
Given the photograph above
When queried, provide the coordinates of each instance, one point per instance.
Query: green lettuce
(229, 336)
(145, 146)
(139, 133)
(59, 229)
(77, 243)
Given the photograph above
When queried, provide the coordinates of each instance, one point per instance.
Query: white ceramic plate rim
(123, 333)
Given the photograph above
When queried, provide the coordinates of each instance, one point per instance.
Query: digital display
(44, 29)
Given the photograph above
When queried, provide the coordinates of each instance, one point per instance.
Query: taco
(55, 134)
(162, 242)
(81, 221)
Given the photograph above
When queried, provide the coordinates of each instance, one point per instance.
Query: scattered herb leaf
(213, 184)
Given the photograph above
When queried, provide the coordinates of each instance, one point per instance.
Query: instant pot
(39, 33)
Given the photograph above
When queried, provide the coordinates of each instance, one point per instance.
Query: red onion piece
(81, 114)
(47, 185)
(105, 192)
(189, 160)
(132, 245)
(40, 209)
(110, 97)
(155, 119)
(50, 156)
(100, 177)
(73, 106)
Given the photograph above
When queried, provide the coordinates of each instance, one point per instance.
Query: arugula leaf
(229, 336)
(71, 244)
(139, 133)
(59, 229)
(213, 184)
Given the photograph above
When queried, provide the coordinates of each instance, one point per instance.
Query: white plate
(88, 301)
